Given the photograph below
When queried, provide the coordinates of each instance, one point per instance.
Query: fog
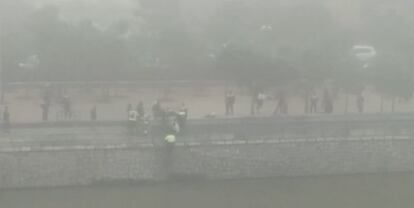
(146, 36)
(206, 103)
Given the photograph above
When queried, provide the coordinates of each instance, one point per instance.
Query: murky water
(365, 191)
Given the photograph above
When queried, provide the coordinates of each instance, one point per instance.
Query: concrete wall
(215, 161)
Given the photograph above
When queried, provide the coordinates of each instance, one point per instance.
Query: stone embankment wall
(219, 160)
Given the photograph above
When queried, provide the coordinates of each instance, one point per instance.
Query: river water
(365, 191)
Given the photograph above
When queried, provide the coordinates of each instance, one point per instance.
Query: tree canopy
(243, 41)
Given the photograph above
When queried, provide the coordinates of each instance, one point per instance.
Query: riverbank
(219, 160)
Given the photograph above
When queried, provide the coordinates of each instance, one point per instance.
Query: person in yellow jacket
(170, 139)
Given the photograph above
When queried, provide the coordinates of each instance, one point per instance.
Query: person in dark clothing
(313, 103)
(67, 107)
(6, 120)
(229, 102)
(254, 102)
(327, 102)
(157, 109)
(281, 107)
(141, 110)
(259, 102)
(360, 103)
(94, 114)
(45, 112)
(128, 109)
(47, 95)
(232, 102)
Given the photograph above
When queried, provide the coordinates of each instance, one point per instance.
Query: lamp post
(30, 65)
(265, 44)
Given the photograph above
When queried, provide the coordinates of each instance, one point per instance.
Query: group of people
(45, 108)
(258, 100)
(327, 103)
(314, 104)
(65, 102)
(136, 119)
(172, 122)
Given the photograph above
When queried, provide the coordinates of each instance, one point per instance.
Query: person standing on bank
(67, 107)
(157, 111)
(182, 117)
(45, 112)
(360, 103)
(261, 97)
(227, 103)
(281, 107)
(6, 120)
(132, 121)
(327, 102)
(230, 100)
(169, 141)
(94, 114)
(128, 109)
(141, 110)
(314, 103)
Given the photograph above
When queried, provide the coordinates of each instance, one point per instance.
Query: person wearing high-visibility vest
(170, 139)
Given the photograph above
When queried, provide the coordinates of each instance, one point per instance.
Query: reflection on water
(366, 191)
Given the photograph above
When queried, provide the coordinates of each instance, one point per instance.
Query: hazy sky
(107, 10)
(102, 11)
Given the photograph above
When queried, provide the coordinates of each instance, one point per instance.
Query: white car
(364, 52)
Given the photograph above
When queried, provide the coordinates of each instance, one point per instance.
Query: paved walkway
(200, 102)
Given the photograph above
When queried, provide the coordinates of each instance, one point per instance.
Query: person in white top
(260, 101)
(132, 115)
(132, 121)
